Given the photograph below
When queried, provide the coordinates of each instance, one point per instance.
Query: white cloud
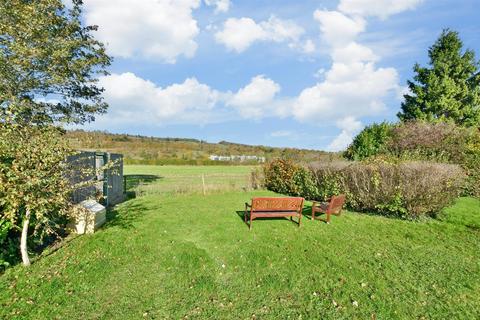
(136, 100)
(161, 29)
(240, 33)
(220, 5)
(348, 89)
(353, 87)
(256, 99)
(350, 127)
(308, 46)
(133, 99)
(338, 29)
(353, 52)
(378, 8)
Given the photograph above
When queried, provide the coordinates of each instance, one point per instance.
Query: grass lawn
(191, 256)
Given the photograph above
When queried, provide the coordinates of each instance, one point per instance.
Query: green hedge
(423, 141)
(407, 190)
(287, 177)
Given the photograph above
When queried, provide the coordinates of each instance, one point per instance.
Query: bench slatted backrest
(277, 204)
(336, 203)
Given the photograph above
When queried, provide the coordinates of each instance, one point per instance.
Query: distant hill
(152, 150)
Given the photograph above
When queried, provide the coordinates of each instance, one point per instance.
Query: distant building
(238, 158)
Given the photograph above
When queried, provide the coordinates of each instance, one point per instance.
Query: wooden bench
(274, 207)
(333, 206)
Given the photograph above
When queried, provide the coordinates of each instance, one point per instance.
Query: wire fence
(205, 183)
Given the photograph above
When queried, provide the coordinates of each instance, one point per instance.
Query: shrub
(286, 177)
(34, 190)
(440, 142)
(369, 142)
(408, 190)
(8, 244)
(423, 141)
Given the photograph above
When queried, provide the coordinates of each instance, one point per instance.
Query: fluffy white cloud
(256, 99)
(240, 33)
(133, 99)
(350, 127)
(220, 5)
(379, 8)
(338, 29)
(348, 89)
(162, 29)
(353, 52)
(136, 100)
(354, 86)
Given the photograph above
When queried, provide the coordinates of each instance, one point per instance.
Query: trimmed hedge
(407, 190)
(422, 141)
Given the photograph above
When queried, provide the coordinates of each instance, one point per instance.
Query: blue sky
(307, 74)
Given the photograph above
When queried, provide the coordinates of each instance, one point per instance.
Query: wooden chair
(334, 206)
(274, 207)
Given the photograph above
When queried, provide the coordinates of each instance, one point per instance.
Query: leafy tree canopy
(49, 63)
(369, 142)
(449, 88)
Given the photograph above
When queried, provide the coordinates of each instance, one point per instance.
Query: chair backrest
(336, 203)
(277, 204)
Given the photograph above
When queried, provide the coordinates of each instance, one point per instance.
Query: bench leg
(299, 219)
(313, 213)
(250, 225)
(328, 217)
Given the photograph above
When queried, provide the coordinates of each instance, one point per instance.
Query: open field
(175, 256)
(155, 180)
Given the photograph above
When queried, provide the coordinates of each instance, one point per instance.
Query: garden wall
(87, 166)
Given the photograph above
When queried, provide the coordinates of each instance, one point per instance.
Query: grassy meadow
(158, 180)
(181, 255)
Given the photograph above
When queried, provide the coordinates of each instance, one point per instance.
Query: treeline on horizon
(139, 149)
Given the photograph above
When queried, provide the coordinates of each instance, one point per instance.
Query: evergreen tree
(449, 89)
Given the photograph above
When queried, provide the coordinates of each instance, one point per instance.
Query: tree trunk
(23, 239)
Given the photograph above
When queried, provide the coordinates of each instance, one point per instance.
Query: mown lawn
(191, 256)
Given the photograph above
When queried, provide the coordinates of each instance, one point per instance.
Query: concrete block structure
(103, 171)
(91, 215)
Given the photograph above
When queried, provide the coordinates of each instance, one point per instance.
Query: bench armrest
(248, 205)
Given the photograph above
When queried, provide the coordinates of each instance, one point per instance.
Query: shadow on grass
(242, 213)
(132, 181)
(126, 215)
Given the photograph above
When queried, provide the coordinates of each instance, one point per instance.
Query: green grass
(158, 180)
(191, 256)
